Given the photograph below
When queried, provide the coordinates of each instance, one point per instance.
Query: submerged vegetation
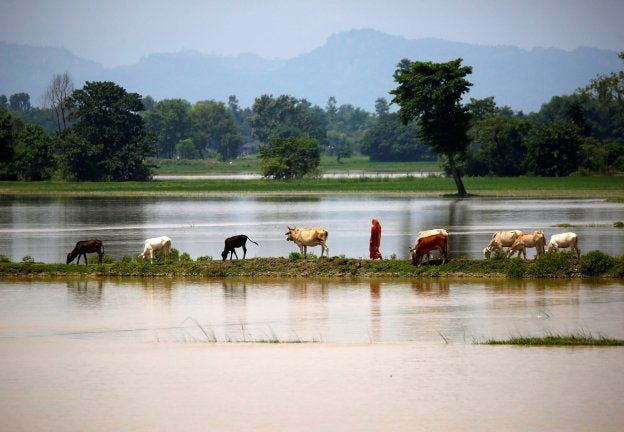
(552, 340)
(551, 265)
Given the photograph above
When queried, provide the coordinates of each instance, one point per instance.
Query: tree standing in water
(431, 93)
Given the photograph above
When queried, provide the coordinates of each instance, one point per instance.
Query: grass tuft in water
(557, 340)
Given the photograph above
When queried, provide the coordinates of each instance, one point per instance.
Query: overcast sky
(120, 32)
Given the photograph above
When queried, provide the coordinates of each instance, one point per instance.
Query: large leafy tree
(431, 93)
(214, 127)
(497, 140)
(110, 134)
(289, 157)
(286, 116)
(389, 140)
(553, 150)
(170, 122)
(34, 156)
(7, 143)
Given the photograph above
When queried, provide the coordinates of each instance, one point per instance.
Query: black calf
(234, 242)
(84, 247)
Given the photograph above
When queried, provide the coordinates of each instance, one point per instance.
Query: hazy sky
(116, 32)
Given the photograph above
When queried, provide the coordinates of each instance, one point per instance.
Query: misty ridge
(355, 67)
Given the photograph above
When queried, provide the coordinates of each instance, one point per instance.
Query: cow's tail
(251, 240)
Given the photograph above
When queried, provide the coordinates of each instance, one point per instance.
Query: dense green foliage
(581, 133)
(110, 134)
(430, 93)
(389, 140)
(289, 158)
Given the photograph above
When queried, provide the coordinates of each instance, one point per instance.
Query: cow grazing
(564, 240)
(231, 243)
(155, 244)
(425, 245)
(428, 233)
(84, 247)
(305, 237)
(499, 240)
(532, 240)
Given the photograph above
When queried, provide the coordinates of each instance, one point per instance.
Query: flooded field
(47, 229)
(266, 355)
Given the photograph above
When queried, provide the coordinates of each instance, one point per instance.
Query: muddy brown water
(194, 355)
(47, 229)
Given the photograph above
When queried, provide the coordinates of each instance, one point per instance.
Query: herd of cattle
(427, 242)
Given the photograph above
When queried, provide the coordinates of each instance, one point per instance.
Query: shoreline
(560, 266)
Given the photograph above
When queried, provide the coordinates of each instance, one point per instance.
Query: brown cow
(424, 245)
(532, 240)
(428, 233)
(84, 247)
(305, 237)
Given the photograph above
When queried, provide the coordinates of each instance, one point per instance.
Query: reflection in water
(430, 286)
(400, 353)
(87, 292)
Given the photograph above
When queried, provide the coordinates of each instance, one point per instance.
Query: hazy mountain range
(355, 67)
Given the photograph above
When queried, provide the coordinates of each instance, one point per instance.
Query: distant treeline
(102, 132)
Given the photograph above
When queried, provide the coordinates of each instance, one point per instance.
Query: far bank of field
(606, 187)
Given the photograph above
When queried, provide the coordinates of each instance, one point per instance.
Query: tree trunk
(461, 190)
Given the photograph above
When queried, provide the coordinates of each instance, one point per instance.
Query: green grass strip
(557, 340)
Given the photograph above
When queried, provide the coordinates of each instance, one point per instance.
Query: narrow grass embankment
(560, 265)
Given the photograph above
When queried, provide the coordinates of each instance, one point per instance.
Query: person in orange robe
(375, 240)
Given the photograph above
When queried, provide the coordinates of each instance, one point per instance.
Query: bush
(596, 263)
(552, 265)
(28, 259)
(185, 257)
(5, 259)
(515, 268)
(618, 269)
(204, 258)
(618, 224)
(295, 256)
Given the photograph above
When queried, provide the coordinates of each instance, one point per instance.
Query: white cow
(305, 237)
(155, 244)
(499, 240)
(564, 240)
(532, 240)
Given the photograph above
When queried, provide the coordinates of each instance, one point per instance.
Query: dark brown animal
(425, 245)
(84, 247)
(231, 243)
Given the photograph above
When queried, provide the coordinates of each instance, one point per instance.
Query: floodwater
(194, 355)
(288, 355)
(47, 229)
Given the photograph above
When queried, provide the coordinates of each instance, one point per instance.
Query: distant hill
(355, 67)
